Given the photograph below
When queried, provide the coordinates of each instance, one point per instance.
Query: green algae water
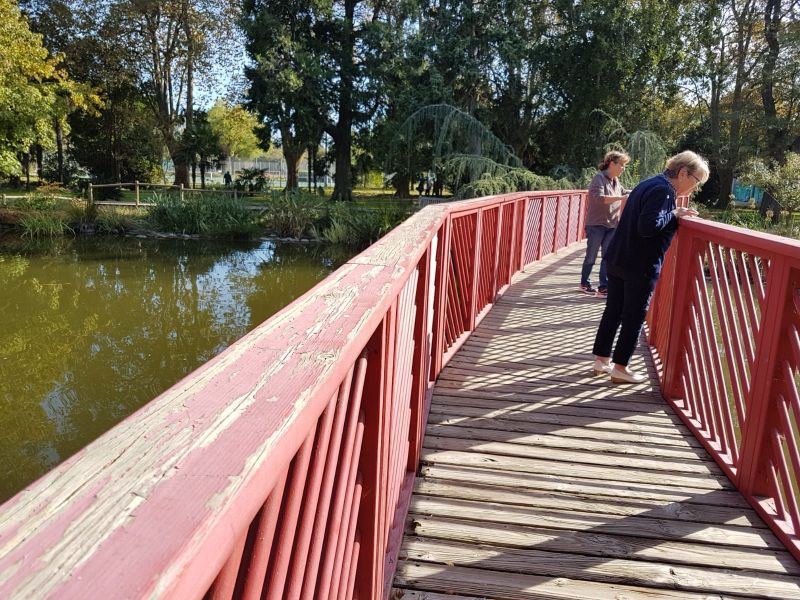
(92, 329)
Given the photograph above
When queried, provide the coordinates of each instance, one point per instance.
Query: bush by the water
(115, 220)
(206, 214)
(358, 227)
(294, 214)
(43, 224)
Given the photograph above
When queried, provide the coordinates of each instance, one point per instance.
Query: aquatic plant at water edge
(293, 214)
(207, 214)
(38, 224)
(358, 227)
(114, 221)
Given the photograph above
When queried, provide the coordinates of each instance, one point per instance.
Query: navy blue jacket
(645, 231)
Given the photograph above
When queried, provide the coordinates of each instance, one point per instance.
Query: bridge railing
(283, 467)
(725, 325)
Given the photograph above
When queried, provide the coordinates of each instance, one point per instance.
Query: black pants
(626, 304)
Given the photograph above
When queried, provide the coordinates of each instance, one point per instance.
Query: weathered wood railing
(725, 325)
(283, 467)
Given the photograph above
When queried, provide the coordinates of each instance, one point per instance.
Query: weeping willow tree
(463, 151)
(481, 176)
(646, 149)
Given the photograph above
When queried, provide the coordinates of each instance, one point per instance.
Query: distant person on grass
(635, 256)
(227, 179)
(603, 207)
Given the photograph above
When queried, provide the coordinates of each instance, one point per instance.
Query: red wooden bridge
(423, 425)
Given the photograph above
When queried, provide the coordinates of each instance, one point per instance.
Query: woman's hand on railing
(683, 211)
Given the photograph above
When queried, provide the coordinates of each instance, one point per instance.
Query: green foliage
(114, 221)
(485, 177)
(293, 214)
(646, 149)
(43, 224)
(234, 127)
(456, 132)
(30, 85)
(205, 214)
(253, 180)
(782, 180)
(38, 202)
(358, 227)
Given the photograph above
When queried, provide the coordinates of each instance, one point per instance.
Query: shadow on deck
(540, 481)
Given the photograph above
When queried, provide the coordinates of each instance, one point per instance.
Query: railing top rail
(740, 237)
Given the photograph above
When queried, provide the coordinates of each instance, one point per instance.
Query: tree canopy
(555, 82)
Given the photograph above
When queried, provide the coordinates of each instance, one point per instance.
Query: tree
(170, 40)
(234, 128)
(286, 78)
(328, 55)
(201, 142)
(34, 89)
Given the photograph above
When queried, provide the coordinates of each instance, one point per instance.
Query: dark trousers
(597, 239)
(626, 305)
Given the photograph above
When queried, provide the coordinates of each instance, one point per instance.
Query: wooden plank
(528, 465)
(672, 465)
(546, 440)
(601, 545)
(505, 586)
(590, 409)
(448, 416)
(531, 561)
(578, 377)
(549, 387)
(403, 594)
(520, 412)
(572, 483)
(631, 525)
(681, 511)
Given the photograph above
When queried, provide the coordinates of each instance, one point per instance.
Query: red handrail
(725, 327)
(283, 467)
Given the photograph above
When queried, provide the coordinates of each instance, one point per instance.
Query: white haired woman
(635, 256)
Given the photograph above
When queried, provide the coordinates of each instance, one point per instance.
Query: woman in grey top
(603, 207)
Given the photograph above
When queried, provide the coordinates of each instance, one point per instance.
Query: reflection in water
(93, 329)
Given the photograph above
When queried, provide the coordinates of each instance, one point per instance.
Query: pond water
(95, 328)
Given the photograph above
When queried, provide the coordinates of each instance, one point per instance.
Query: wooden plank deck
(541, 481)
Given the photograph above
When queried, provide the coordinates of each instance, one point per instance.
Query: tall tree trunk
(292, 158)
(60, 148)
(194, 174)
(39, 161)
(775, 134)
(202, 172)
(26, 164)
(401, 185)
(292, 152)
(343, 133)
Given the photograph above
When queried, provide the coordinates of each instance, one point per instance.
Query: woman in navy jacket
(634, 258)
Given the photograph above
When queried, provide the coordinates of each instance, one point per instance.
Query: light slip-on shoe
(601, 368)
(618, 376)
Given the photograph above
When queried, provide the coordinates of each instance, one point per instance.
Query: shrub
(293, 214)
(114, 221)
(38, 202)
(207, 214)
(358, 227)
(38, 224)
